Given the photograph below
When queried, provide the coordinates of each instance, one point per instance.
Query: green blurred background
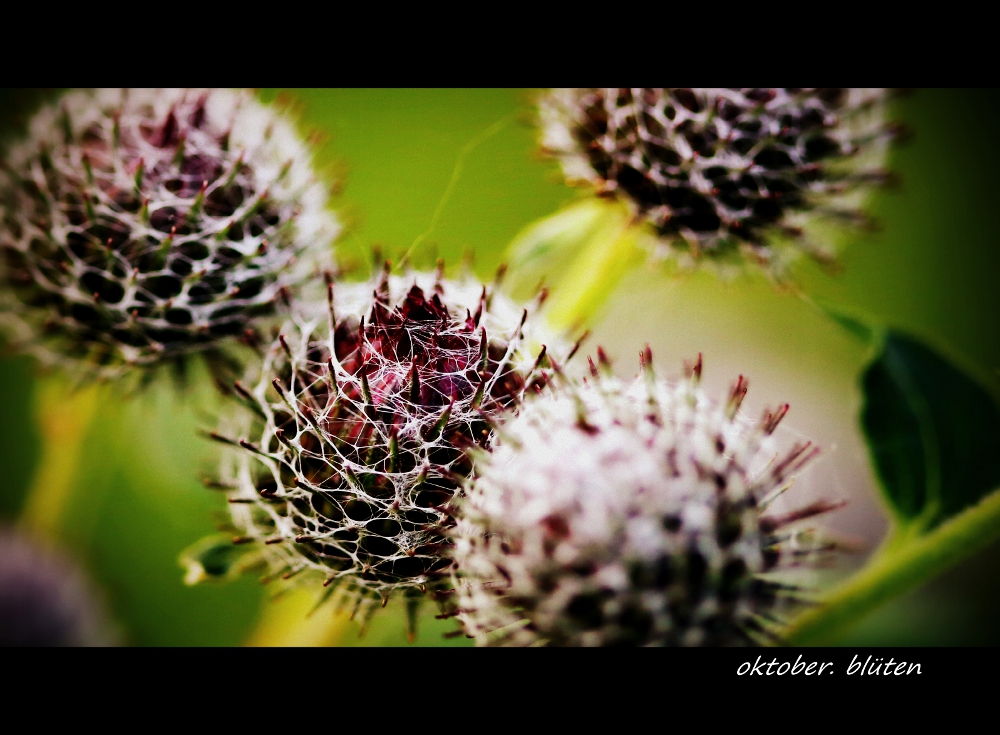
(933, 269)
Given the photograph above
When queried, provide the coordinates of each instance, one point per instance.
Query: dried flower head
(724, 174)
(628, 514)
(139, 226)
(365, 411)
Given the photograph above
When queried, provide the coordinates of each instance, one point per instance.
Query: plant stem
(899, 567)
(609, 254)
(290, 620)
(64, 413)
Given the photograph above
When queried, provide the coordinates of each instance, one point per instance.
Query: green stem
(64, 414)
(899, 567)
(589, 282)
(293, 620)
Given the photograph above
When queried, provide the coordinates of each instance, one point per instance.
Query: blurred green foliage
(933, 267)
(934, 433)
(19, 443)
(137, 502)
(399, 148)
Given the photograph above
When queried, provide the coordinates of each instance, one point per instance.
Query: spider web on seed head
(363, 461)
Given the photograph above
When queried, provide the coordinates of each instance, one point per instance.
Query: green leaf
(934, 436)
(933, 433)
(216, 558)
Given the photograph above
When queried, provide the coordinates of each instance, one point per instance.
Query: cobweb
(367, 413)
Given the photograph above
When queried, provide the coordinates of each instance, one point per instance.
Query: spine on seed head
(613, 513)
(726, 177)
(141, 226)
(361, 425)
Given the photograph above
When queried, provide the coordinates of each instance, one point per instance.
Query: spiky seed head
(362, 432)
(725, 175)
(45, 600)
(140, 226)
(627, 514)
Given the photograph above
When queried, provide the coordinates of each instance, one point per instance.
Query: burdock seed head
(140, 226)
(725, 175)
(362, 417)
(628, 514)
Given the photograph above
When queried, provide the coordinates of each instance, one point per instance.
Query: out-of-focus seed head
(628, 514)
(140, 226)
(44, 600)
(364, 412)
(725, 176)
